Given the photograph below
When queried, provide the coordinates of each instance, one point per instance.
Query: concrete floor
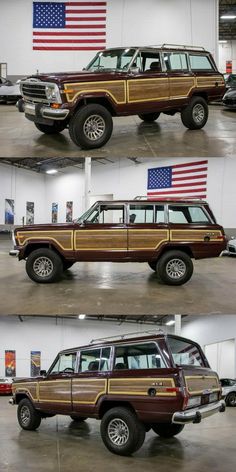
(131, 137)
(61, 445)
(113, 288)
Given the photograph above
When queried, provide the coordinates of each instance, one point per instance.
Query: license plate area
(209, 398)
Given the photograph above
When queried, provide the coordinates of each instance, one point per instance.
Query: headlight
(51, 92)
(193, 401)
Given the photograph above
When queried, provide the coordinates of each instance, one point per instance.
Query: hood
(80, 76)
(45, 227)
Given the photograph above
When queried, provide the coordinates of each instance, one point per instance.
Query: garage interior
(62, 444)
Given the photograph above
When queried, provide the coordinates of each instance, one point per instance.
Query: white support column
(178, 325)
(87, 186)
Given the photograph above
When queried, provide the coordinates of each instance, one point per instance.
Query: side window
(141, 214)
(199, 62)
(197, 215)
(95, 359)
(65, 362)
(177, 214)
(175, 61)
(187, 214)
(151, 62)
(138, 356)
(112, 214)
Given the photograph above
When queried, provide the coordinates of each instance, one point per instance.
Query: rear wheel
(231, 399)
(28, 417)
(167, 430)
(91, 126)
(175, 268)
(149, 117)
(121, 431)
(153, 265)
(57, 127)
(195, 115)
(67, 265)
(44, 265)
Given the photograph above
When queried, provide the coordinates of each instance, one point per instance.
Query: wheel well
(21, 396)
(184, 249)
(201, 94)
(33, 247)
(108, 405)
(99, 100)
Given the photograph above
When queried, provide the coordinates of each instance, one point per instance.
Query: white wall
(50, 335)
(129, 22)
(227, 52)
(221, 357)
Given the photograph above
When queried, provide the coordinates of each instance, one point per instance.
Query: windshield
(113, 59)
(86, 215)
(185, 353)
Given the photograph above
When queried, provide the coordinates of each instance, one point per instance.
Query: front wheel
(57, 127)
(67, 265)
(28, 417)
(91, 126)
(167, 430)
(44, 265)
(175, 268)
(195, 115)
(231, 399)
(149, 117)
(121, 431)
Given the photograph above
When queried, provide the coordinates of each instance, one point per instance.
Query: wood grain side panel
(140, 386)
(142, 90)
(210, 81)
(116, 89)
(56, 391)
(87, 391)
(106, 240)
(194, 235)
(64, 239)
(146, 239)
(181, 86)
(199, 383)
(30, 388)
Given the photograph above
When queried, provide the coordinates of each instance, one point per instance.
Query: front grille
(230, 101)
(232, 249)
(34, 92)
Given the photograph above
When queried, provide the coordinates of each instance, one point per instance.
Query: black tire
(28, 417)
(132, 435)
(231, 399)
(57, 127)
(167, 430)
(195, 115)
(149, 117)
(44, 266)
(78, 419)
(175, 268)
(153, 265)
(67, 265)
(91, 115)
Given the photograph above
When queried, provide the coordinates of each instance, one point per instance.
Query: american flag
(67, 26)
(180, 180)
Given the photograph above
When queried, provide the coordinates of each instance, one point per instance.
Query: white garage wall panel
(129, 22)
(221, 357)
(227, 52)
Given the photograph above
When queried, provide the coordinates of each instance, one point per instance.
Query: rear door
(181, 79)
(206, 76)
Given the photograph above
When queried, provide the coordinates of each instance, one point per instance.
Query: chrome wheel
(176, 269)
(25, 415)
(198, 113)
(118, 432)
(94, 127)
(43, 266)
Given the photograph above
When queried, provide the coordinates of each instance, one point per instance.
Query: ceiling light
(51, 171)
(81, 317)
(170, 322)
(223, 41)
(228, 17)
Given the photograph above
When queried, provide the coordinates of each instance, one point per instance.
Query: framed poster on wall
(54, 212)
(9, 211)
(69, 212)
(29, 213)
(10, 363)
(35, 363)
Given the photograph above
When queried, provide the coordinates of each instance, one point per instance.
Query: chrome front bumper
(195, 415)
(45, 111)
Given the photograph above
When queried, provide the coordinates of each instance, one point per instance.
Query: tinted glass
(151, 62)
(198, 62)
(185, 353)
(187, 214)
(176, 61)
(138, 356)
(95, 359)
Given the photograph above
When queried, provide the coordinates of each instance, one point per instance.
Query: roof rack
(176, 46)
(154, 197)
(123, 336)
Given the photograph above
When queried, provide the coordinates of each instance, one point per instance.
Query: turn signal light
(55, 105)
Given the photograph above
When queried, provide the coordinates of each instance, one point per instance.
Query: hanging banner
(35, 363)
(9, 211)
(29, 213)
(69, 212)
(10, 363)
(54, 212)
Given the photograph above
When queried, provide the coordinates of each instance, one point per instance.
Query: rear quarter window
(198, 62)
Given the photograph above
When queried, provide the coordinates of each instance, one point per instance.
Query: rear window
(185, 353)
(198, 62)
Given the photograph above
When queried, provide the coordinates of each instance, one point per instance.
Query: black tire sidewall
(149, 117)
(163, 261)
(57, 265)
(187, 114)
(77, 123)
(35, 418)
(167, 430)
(229, 397)
(57, 127)
(153, 265)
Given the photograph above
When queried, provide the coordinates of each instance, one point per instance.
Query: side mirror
(43, 373)
(135, 70)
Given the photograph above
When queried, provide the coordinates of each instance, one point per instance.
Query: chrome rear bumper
(195, 415)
